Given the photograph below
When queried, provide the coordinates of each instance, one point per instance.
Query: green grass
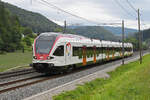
(11, 60)
(128, 82)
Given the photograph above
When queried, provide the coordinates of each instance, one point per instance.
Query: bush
(27, 40)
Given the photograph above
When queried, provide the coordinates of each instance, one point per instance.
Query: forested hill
(95, 32)
(36, 21)
(145, 40)
(146, 34)
(10, 31)
(118, 30)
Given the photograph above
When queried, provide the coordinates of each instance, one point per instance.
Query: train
(55, 52)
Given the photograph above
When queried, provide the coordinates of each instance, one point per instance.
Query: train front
(42, 47)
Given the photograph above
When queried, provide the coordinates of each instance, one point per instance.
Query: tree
(134, 41)
(27, 40)
(10, 36)
(58, 30)
(27, 31)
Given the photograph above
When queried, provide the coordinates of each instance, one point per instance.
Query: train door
(84, 55)
(102, 53)
(120, 50)
(59, 54)
(113, 53)
(94, 50)
(68, 53)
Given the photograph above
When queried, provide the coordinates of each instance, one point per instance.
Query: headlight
(34, 57)
(49, 57)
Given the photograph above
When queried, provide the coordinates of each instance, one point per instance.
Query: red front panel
(42, 56)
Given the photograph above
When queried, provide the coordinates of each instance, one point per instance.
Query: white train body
(58, 50)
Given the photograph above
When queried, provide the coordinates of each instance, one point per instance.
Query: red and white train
(54, 52)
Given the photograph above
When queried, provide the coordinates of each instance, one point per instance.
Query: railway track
(37, 79)
(43, 78)
(16, 73)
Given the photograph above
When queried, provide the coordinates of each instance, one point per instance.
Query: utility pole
(140, 41)
(65, 25)
(122, 42)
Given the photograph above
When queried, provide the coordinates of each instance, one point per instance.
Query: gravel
(19, 77)
(28, 91)
(16, 70)
(36, 78)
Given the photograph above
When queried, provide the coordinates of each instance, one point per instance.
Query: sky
(96, 11)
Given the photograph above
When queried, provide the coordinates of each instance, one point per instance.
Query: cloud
(100, 11)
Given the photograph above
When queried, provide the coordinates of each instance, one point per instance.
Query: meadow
(16, 59)
(128, 82)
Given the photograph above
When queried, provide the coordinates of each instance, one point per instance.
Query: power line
(63, 10)
(118, 3)
(132, 6)
(142, 22)
(53, 6)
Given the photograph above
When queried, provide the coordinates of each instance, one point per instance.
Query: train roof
(70, 37)
(63, 35)
(82, 39)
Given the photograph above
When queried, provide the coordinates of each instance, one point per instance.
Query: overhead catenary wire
(48, 4)
(74, 15)
(98, 24)
(132, 6)
(126, 11)
(142, 21)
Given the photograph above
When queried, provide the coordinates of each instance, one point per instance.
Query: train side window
(117, 49)
(130, 49)
(88, 52)
(75, 51)
(59, 51)
(100, 50)
(110, 50)
(105, 50)
(80, 52)
(97, 51)
(91, 51)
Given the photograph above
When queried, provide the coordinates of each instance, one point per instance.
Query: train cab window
(59, 51)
